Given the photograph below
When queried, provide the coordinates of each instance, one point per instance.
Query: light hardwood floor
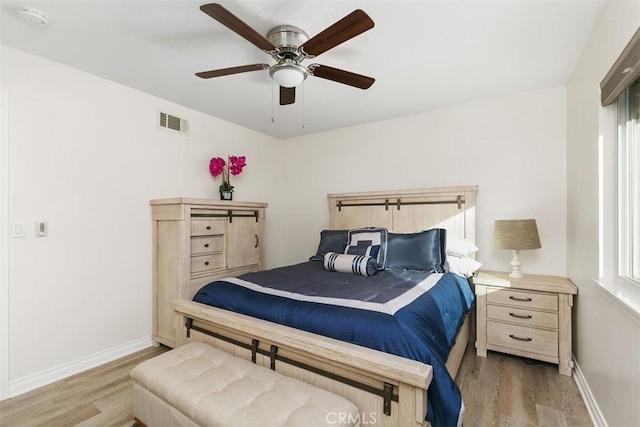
(97, 398)
(499, 390)
(503, 390)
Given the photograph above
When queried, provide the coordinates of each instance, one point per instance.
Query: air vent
(173, 123)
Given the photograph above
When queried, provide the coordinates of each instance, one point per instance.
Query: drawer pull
(206, 263)
(520, 316)
(206, 245)
(527, 299)
(208, 227)
(519, 338)
(257, 241)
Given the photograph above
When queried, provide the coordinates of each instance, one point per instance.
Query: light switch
(42, 229)
(19, 229)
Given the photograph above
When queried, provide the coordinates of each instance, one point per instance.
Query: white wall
(607, 335)
(513, 148)
(86, 156)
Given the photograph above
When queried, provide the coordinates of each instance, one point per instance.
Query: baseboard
(589, 400)
(49, 376)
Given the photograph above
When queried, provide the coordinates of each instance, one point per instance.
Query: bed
(253, 316)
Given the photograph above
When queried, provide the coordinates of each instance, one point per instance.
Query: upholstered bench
(198, 385)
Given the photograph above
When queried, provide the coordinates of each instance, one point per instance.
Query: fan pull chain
(272, 101)
(303, 84)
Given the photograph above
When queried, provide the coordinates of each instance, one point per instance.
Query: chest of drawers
(528, 317)
(196, 241)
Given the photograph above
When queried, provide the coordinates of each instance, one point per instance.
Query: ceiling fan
(289, 46)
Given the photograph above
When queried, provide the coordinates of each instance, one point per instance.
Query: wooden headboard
(451, 208)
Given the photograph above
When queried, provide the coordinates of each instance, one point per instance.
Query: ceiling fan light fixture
(289, 46)
(288, 74)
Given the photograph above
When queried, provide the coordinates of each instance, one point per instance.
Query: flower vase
(226, 195)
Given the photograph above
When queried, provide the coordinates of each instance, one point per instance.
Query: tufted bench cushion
(198, 385)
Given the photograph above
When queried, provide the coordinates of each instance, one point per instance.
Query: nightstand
(528, 317)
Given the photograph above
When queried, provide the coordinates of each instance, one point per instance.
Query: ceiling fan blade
(236, 25)
(342, 76)
(357, 22)
(231, 70)
(287, 95)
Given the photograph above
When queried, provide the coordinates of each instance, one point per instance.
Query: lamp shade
(288, 77)
(516, 234)
(287, 73)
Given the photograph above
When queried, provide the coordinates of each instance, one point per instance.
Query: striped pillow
(354, 264)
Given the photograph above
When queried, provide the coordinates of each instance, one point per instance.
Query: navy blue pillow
(424, 250)
(331, 241)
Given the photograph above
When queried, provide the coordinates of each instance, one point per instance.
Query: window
(628, 183)
(619, 175)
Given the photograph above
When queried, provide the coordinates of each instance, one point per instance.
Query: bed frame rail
(398, 203)
(386, 392)
(369, 378)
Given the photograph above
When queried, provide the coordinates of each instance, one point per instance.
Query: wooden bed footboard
(388, 390)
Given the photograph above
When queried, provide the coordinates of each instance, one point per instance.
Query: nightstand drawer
(523, 299)
(522, 338)
(205, 263)
(521, 316)
(207, 244)
(207, 227)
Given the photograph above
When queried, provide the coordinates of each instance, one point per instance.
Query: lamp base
(515, 265)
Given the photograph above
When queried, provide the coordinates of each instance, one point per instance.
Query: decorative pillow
(371, 236)
(354, 264)
(424, 250)
(459, 247)
(463, 266)
(331, 241)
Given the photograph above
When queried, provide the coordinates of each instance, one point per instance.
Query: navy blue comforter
(414, 315)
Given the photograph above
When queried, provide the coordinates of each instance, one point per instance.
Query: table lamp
(516, 235)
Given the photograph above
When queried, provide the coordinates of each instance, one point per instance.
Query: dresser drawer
(207, 227)
(207, 244)
(522, 316)
(523, 299)
(204, 263)
(522, 338)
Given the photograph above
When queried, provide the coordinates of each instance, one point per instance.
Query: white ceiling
(423, 54)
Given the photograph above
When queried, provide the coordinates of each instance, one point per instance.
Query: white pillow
(463, 266)
(459, 247)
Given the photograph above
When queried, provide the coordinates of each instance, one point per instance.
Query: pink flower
(216, 166)
(234, 166)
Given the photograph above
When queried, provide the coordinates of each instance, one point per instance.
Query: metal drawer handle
(206, 245)
(527, 299)
(520, 338)
(208, 227)
(206, 263)
(520, 316)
